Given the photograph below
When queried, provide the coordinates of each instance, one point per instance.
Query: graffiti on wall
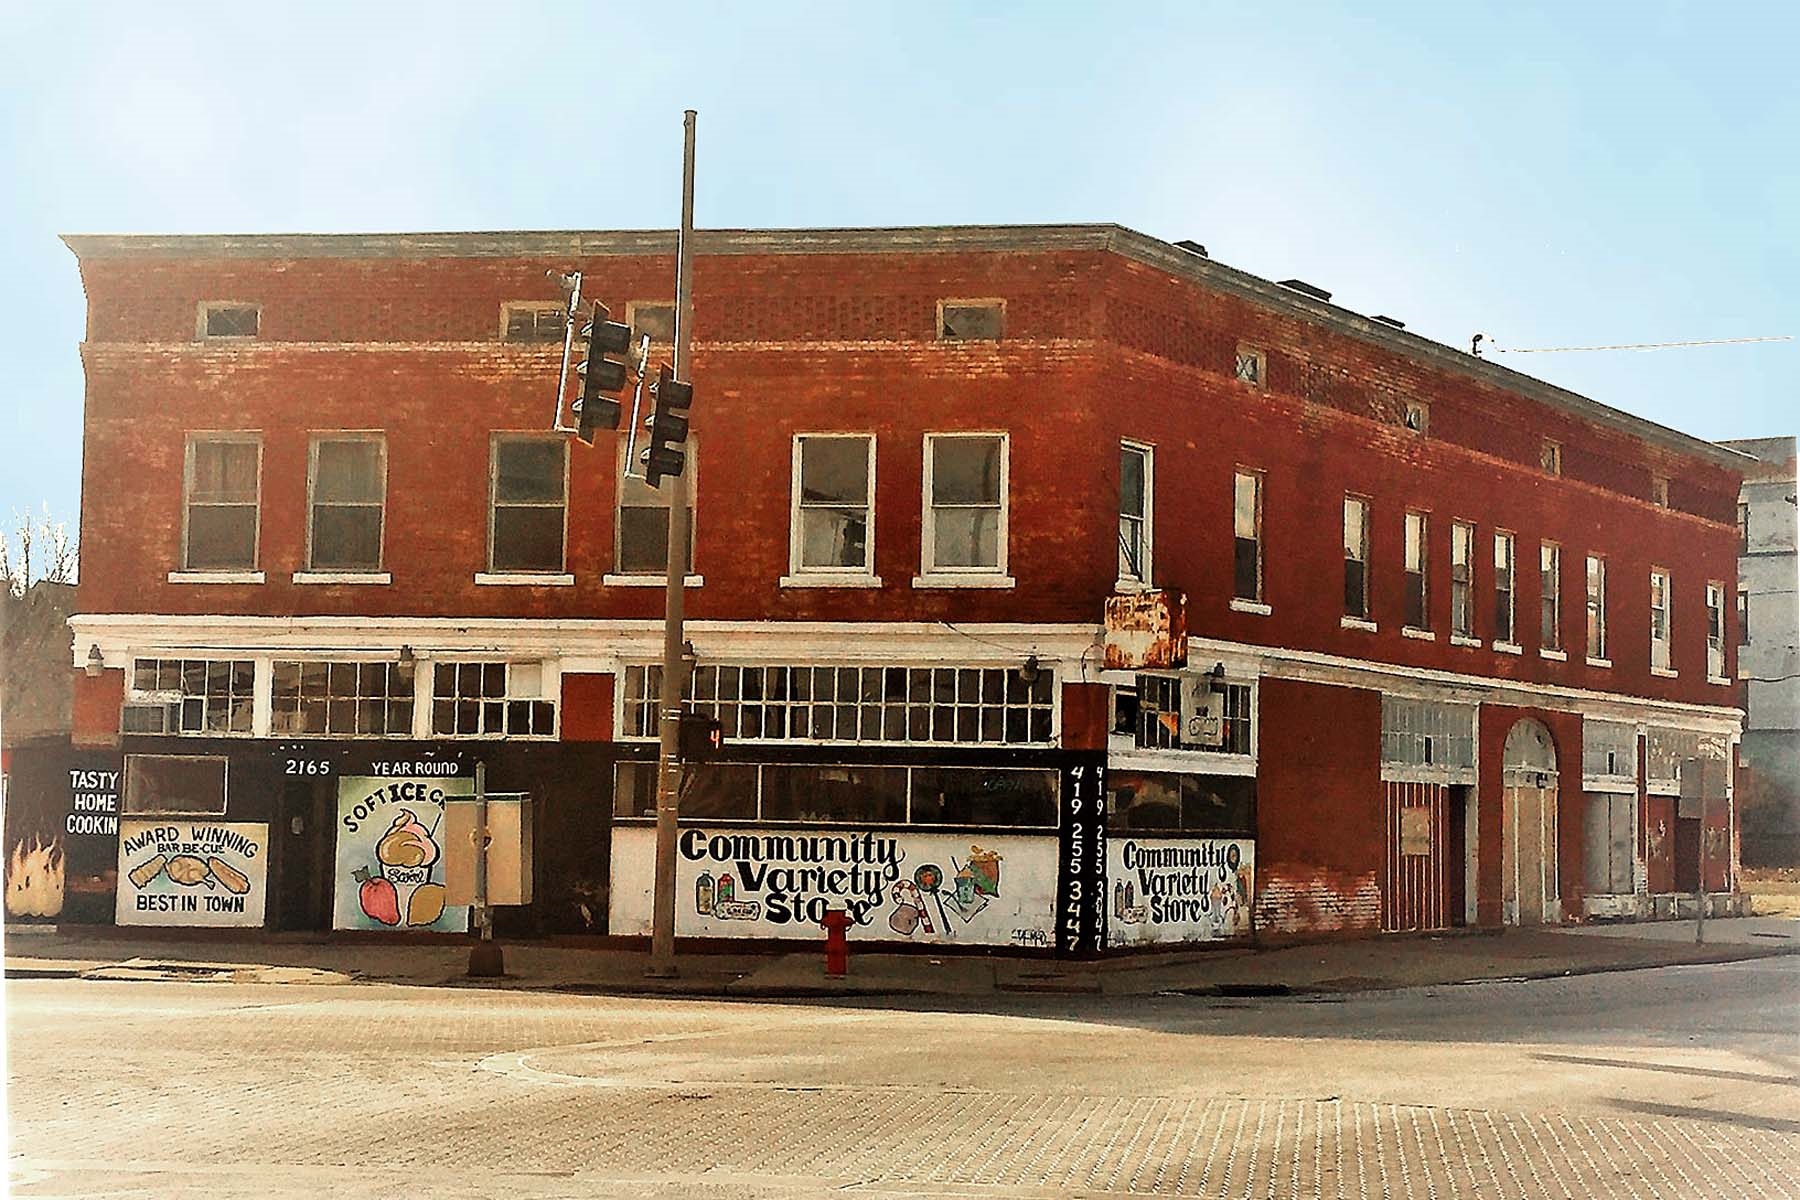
(390, 869)
(1179, 890)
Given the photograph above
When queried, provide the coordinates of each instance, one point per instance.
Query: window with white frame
(1249, 366)
(1660, 619)
(882, 704)
(1427, 733)
(1247, 540)
(833, 518)
(347, 481)
(642, 528)
(317, 698)
(1505, 588)
(1136, 487)
(1596, 607)
(1153, 713)
(223, 502)
(1608, 749)
(1356, 557)
(1418, 612)
(966, 503)
(1550, 596)
(533, 321)
(1550, 456)
(1462, 579)
(529, 490)
(490, 699)
(1715, 630)
(199, 696)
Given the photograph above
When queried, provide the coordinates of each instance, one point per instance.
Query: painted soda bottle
(727, 890)
(703, 895)
(1118, 900)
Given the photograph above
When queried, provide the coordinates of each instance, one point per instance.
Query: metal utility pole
(674, 666)
(486, 960)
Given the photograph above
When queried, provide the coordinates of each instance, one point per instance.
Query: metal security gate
(1415, 887)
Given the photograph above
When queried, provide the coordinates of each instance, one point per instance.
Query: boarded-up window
(157, 784)
(223, 320)
(223, 490)
(971, 320)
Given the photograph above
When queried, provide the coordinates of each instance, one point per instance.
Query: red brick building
(1451, 631)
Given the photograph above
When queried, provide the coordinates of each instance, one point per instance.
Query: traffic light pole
(674, 666)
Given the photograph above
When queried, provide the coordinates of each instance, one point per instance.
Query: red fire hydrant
(837, 942)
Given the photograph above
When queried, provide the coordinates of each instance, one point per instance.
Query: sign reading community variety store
(895, 885)
(192, 872)
(1179, 889)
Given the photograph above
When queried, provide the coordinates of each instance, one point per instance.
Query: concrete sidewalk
(1367, 964)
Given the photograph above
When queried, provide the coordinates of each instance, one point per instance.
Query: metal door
(301, 836)
(1415, 892)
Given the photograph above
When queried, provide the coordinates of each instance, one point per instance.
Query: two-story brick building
(1449, 631)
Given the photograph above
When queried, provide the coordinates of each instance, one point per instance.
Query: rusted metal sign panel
(1146, 631)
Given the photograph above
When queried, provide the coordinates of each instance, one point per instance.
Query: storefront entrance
(301, 833)
(1422, 883)
(1530, 888)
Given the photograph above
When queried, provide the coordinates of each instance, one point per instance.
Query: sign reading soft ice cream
(390, 852)
(1178, 889)
(191, 872)
(894, 884)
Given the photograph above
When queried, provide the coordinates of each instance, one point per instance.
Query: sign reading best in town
(192, 872)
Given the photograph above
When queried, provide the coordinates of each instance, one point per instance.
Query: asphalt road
(1681, 1082)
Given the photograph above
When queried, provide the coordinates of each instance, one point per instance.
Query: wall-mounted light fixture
(96, 662)
(1030, 670)
(406, 654)
(1215, 678)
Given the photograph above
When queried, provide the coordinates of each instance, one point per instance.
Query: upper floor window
(1715, 630)
(1136, 481)
(1356, 558)
(533, 321)
(1550, 456)
(229, 319)
(653, 319)
(224, 491)
(348, 485)
(490, 699)
(1659, 490)
(642, 529)
(966, 501)
(1660, 619)
(1596, 608)
(1550, 596)
(1416, 416)
(1418, 592)
(1743, 527)
(1250, 366)
(530, 487)
(1462, 579)
(172, 695)
(971, 320)
(1505, 589)
(349, 698)
(833, 519)
(1743, 617)
(1247, 542)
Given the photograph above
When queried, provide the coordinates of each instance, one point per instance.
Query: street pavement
(1681, 1081)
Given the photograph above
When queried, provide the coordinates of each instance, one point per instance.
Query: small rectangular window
(965, 489)
(1462, 579)
(174, 785)
(833, 518)
(1416, 416)
(1550, 595)
(225, 319)
(1715, 630)
(1659, 490)
(1550, 456)
(1418, 594)
(1660, 619)
(224, 490)
(1743, 605)
(533, 321)
(348, 485)
(1743, 528)
(529, 492)
(1247, 527)
(1356, 557)
(971, 320)
(1504, 588)
(1135, 487)
(643, 524)
(1596, 607)
(1249, 366)
(653, 319)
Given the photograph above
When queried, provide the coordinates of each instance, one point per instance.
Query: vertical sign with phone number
(1081, 861)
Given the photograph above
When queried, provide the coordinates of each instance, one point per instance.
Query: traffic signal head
(603, 374)
(668, 427)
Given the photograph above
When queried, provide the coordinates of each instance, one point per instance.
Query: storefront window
(1211, 804)
(983, 796)
(1158, 721)
(853, 795)
(209, 695)
(159, 784)
(344, 698)
(710, 791)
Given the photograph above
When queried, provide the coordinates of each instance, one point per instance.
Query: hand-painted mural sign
(176, 871)
(1081, 860)
(62, 825)
(390, 870)
(896, 885)
(1179, 889)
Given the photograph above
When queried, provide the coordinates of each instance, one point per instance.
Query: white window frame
(1716, 628)
(513, 692)
(1363, 619)
(930, 573)
(1465, 635)
(804, 576)
(248, 437)
(1598, 651)
(1422, 566)
(1550, 595)
(495, 574)
(1506, 537)
(349, 574)
(1258, 603)
(1664, 644)
(1147, 523)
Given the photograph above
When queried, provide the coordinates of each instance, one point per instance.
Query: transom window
(900, 705)
(224, 489)
(490, 699)
(529, 491)
(347, 698)
(971, 320)
(772, 793)
(1427, 733)
(833, 521)
(1157, 721)
(965, 490)
(1135, 487)
(208, 695)
(643, 525)
(1141, 801)
(349, 491)
(1609, 748)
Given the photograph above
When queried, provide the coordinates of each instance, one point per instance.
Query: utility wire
(1499, 349)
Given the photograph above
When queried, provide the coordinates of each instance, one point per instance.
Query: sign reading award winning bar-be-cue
(192, 872)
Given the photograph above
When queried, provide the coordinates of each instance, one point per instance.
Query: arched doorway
(1529, 888)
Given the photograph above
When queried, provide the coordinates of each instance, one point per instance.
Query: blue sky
(1550, 174)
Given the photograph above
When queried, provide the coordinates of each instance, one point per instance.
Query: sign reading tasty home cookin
(896, 885)
(1178, 890)
(188, 872)
(390, 854)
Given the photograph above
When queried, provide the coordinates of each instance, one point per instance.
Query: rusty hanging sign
(1146, 631)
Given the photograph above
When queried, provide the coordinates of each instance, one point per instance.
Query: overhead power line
(1476, 345)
